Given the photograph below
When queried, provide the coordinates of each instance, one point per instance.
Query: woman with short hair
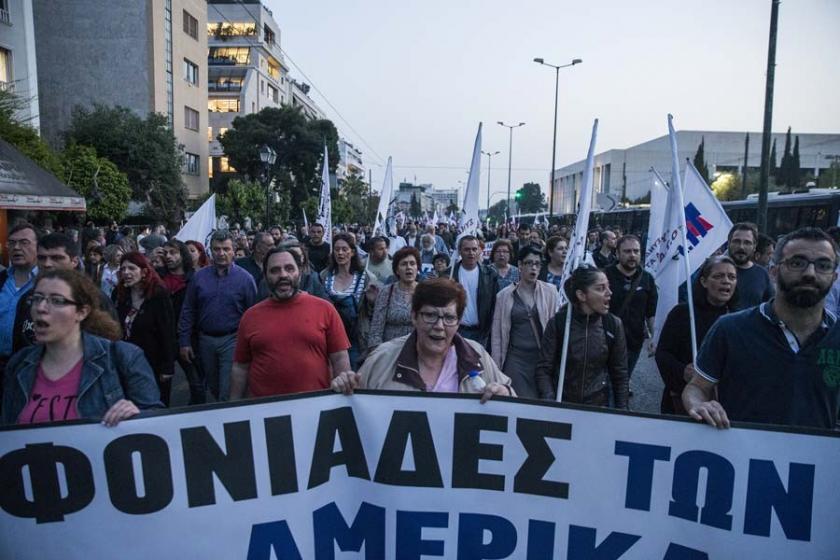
(500, 259)
(392, 310)
(556, 249)
(76, 362)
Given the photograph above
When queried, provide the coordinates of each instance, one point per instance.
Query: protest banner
(408, 475)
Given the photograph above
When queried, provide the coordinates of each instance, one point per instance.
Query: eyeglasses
(536, 264)
(23, 243)
(800, 264)
(431, 318)
(52, 301)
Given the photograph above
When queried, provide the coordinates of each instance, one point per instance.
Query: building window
(225, 84)
(226, 30)
(190, 72)
(209, 133)
(273, 93)
(268, 35)
(191, 164)
(274, 71)
(225, 166)
(190, 25)
(262, 86)
(222, 131)
(210, 167)
(4, 12)
(223, 105)
(228, 55)
(6, 80)
(190, 118)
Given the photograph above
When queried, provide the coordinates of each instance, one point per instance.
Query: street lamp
(554, 142)
(267, 156)
(510, 127)
(489, 157)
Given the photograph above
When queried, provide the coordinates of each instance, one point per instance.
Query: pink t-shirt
(53, 401)
(447, 381)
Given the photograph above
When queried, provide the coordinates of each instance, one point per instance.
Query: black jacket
(488, 285)
(641, 306)
(673, 352)
(593, 361)
(249, 264)
(153, 329)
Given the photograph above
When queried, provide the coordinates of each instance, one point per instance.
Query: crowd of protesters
(97, 323)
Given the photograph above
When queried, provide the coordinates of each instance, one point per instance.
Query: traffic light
(518, 195)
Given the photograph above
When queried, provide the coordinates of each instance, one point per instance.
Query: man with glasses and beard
(779, 362)
(291, 342)
(754, 285)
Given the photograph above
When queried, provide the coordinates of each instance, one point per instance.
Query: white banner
(201, 224)
(325, 203)
(402, 475)
(469, 222)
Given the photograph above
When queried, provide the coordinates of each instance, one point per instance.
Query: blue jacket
(111, 371)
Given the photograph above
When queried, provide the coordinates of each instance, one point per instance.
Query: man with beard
(634, 297)
(481, 283)
(319, 251)
(291, 342)
(754, 285)
(779, 362)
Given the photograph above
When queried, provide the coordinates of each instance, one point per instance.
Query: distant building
(624, 174)
(350, 160)
(443, 198)
(246, 70)
(18, 65)
(299, 93)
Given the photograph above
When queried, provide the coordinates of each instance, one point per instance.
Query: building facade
(18, 63)
(146, 55)
(625, 174)
(349, 161)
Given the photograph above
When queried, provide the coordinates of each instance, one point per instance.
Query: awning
(25, 185)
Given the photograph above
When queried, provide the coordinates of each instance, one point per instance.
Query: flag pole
(677, 189)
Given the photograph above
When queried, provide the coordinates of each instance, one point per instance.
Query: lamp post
(489, 157)
(510, 128)
(554, 141)
(267, 156)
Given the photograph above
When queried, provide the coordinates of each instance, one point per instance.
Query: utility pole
(370, 194)
(768, 119)
(489, 157)
(744, 174)
(510, 128)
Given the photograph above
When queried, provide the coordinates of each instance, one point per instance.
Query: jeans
(632, 358)
(215, 358)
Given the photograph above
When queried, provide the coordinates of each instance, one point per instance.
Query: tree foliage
(498, 211)
(700, 160)
(789, 173)
(144, 149)
(530, 199)
(24, 137)
(243, 199)
(104, 187)
(298, 142)
(350, 201)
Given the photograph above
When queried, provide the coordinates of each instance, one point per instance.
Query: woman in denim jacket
(72, 373)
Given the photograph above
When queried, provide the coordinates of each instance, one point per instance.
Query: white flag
(469, 221)
(707, 225)
(656, 236)
(325, 204)
(305, 221)
(384, 200)
(201, 224)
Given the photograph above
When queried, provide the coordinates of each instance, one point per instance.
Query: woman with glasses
(714, 297)
(76, 370)
(596, 363)
(434, 357)
(147, 317)
(500, 257)
(522, 312)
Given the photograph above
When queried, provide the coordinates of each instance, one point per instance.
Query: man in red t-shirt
(290, 342)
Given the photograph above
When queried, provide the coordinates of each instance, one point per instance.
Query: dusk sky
(414, 78)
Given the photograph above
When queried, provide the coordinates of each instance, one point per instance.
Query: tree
(350, 201)
(453, 206)
(144, 149)
(298, 141)
(498, 211)
(530, 199)
(700, 160)
(784, 173)
(24, 137)
(243, 199)
(414, 207)
(105, 187)
(795, 169)
(774, 170)
(727, 186)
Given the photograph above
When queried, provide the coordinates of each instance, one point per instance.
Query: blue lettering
(368, 529)
(766, 492)
(641, 458)
(582, 544)
(471, 546)
(540, 540)
(410, 543)
(276, 536)
(720, 485)
(679, 552)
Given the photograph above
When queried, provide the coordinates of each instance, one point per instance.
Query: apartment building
(18, 67)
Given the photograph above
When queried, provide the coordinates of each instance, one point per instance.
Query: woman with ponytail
(76, 370)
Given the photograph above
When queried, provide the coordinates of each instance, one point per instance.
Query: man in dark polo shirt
(754, 286)
(319, 251)
(779, 362)
(634, 297)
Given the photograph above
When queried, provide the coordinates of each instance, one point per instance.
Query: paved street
(645, 384)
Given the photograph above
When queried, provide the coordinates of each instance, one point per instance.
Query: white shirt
(469, 280)
(396, 243)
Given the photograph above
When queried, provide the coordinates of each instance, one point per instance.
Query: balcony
(5, 17)
(224, 86)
